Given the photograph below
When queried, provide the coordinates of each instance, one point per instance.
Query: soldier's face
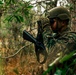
(57, 25)
(53, 23)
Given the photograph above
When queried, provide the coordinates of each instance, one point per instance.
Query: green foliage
(10, 1)
(48, 70)
(58, 72)
(9, 18)
(70, 6)
(69, 66)
(66, 57)
(1, 2)
(19, 18)
(20, 10)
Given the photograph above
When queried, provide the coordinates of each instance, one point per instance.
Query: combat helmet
(59, 12)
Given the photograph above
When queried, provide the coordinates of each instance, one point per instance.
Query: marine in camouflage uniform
(62, 42)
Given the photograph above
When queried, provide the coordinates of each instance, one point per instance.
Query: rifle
(27, 36)
(39, 47)
(38, 42)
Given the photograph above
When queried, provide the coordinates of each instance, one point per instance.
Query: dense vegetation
(15, 16)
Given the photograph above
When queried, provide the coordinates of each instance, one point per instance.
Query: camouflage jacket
(59, 45)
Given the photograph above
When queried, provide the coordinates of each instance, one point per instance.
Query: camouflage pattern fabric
(59, 45)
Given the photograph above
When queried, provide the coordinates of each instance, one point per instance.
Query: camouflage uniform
(59, 45)
(65, 43)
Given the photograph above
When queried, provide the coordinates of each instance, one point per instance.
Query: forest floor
(21, 66)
